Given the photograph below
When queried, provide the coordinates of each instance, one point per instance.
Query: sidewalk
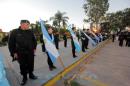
(41, 66)
(109, 67)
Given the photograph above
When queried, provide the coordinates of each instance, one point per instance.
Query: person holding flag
(86, 39)
(74, 41)
(83, 37)
(96, 38)
(89, 38)
(50, 63)
(51, 51)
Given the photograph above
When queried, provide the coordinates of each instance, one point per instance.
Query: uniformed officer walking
(22, 45)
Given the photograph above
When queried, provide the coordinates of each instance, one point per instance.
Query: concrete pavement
(109, 67)
(41, 66)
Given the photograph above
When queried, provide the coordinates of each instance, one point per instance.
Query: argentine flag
(90, 39)
(75, 39)
(49, 45)
(96, 37)
(3, 79)
(101, 37)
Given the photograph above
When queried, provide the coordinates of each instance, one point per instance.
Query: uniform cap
(24, 21)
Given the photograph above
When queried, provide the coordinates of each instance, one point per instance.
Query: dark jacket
(121, 36)
(21, 41)
(64, 37)
(83, 37)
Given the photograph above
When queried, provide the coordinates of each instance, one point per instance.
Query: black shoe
(87, 48)
(51, 68)
(32, 76)
(24, 81)
(74, 56)
(83, 51)
(54, 67)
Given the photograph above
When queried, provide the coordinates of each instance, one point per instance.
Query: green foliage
(119, 19)
(62, 31)
(95, 9)
(59, 20)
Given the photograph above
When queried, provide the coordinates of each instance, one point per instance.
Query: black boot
(51, 68)
(74, 56)
(24, 81)
(32, 76)
(54, 67)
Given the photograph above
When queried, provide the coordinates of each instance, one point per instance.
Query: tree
(118, 20)
(95, 9)
(55, 23)
(59, 19)
(126, 18)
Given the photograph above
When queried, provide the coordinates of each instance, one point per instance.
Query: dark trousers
(128, 43)
(73, 50)
(26, 62)
(43, 48)
(113, 38)
(86, 44)
(50, 63)
(83, 45)
(57, 44)
(65, 43)
(121, 43)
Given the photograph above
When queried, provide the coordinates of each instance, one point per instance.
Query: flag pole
(61, 62)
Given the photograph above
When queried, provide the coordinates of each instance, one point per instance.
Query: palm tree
(64, 22)
(59, 19)
(55, 23)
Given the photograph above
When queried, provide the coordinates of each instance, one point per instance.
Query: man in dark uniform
(65, 39)
(43, 44)
(78, 35)
(22, 45)
(86, 39)
(83, 40)
(121, 38)
(72, 43)
(125, 37)
(128, 38)
(113, 37)
(56, 37)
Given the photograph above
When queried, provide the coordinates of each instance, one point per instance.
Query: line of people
(124, 36)
(22, 46)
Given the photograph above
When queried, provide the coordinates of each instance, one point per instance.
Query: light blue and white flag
(96, 37)
(3, 79)
(90, 39)
(75, 39)
(49, 44)
(101, 37)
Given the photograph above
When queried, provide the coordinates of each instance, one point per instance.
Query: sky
(12, 11)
